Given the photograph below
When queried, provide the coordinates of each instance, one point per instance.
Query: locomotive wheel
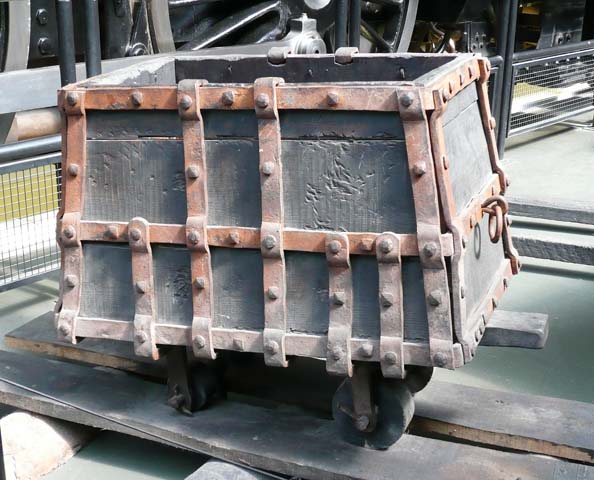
(418, 377)
(394, 407)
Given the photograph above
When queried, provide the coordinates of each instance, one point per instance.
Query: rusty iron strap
(435, 277)
(271, 231)
(196, 225)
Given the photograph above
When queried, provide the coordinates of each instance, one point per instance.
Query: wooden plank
(522, 329)
(562, 211)
(277, 440)
(548, 246)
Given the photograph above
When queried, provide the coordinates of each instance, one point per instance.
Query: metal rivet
(445, 96)
(386, 245)
(185, 102)
(135, 234)
(387, 299)
(69, 231)
(494, 301)
(141, 337)
(228, 98)
(238, 344)
(73, 169)
(484, 319)
(200, 283)
(332, 99)
(136, 98)
(273, 293)
(334, 247)
(472, 221)
(470, 72)
(482, 328)
(472, 351)
(199, 341)
(391, 358)
(440, 360)
(269, 242)
(477, 335)
(462, 291)
(233, 237)
(112, 232)
(430, 249)
(492, 123)
(435, 298)
(72, 98)
(194, 237)
(419, 169)
(507, 182)
(464, 241)
(406, 100)
(337, 353)
(42, 16)
(366, 350)
(451, 86)
(338, 298)
(71, 281)
(262, 100)
(64, 330)
(271, 347)
(505, 283)
(268, 168)
(141, 286)
(461, 79)
(193, 172)
(445, 162)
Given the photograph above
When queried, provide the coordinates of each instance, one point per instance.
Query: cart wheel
(418, 377)
(394, 406)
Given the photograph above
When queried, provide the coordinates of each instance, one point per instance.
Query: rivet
(451, 86)
(470, 72)
(268, 168)
(135, 234)
(200, 283)
(185, 102)
(42, 16)
(238, 344)
(464, 241)
(334, 247)
(387, 299)
(262, 100)
(141, 286)
(472, 221)
(233, 237)
(366, 350)
(112, 232)
(269, 242)
(73, 169)
(386, 245)
(228, 98)
(482, 328)
(492, 123)
(483, 319)
(435, 298)
(136, 98)
(445, 162)
(332, 99)
(472, 350)
(445, 96)
(71, 281)
(271, 347)
(440, 360)
(477, 335)
(419, 169)
(141, 337)
(461, 79)
(273, 293)
(494, 301)
(193, 172)
(193, 237)
(462, 291)
(72, 98)
(199, 341)
(69, 231)
(337, 353)
(430, 249)
(505, 283)
(338, 298)
(64, 330)
(507, 182)
(406, 100)
(391, 358)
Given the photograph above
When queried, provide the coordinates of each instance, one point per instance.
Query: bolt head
(44, 45)
(440, 360)
(42, 16)
(141, 337)
(112, 232)
(386, 245)
(461, 78)
(507, 182)
(69, 232)
(64, 330)
(273, 293)
(268, 168)
(430, 249)
(199, 341)
(445, 162)
(391, 358)
(338, 298)
(193, 172)
(233, 238)
(185, 102)
(73, 169)
(271, 347)
(334, 247)
(71, 281)
(406, 100)
(464, 241)
(435, 298)
(228, 98)
(262, 100)
(337, 353)
(505, 283)
(495, 302)
(141, 286)
(387, 299)
(419, 169)
(193, 237)
(332, 99)
(472, 221)
(445, 96)
(135, 234)
(451, 87)
(72, 98)
(136, 99)
(269, 242)
(366, 350)
(470, 72)
(462, 291)
(477, 335)
(200, 283)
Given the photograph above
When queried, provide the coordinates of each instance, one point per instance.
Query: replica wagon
(341, 207)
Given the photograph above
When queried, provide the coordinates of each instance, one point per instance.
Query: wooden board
(279, 440)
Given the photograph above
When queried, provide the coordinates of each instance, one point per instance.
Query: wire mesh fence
(29, 201)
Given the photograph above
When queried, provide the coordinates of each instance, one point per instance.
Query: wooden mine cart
(346, 207)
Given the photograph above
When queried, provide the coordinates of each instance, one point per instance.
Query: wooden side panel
(107, 290)
(132, 124)
(172, 281)
(466, 146)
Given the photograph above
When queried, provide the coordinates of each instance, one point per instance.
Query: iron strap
(188, 98)
(271, 231)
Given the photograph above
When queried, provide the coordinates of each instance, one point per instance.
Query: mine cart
(347, 208)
